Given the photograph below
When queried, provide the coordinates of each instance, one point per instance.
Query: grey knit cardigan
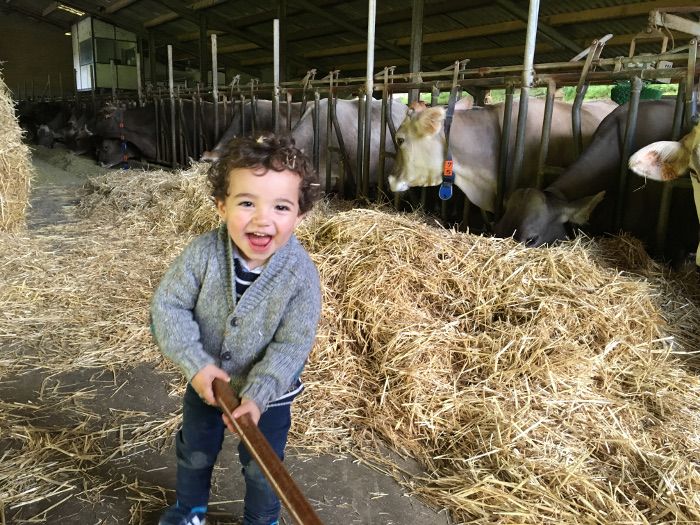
(263, 341)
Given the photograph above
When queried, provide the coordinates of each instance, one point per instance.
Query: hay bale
(15, 167)
(537, 383)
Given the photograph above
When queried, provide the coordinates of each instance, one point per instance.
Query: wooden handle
(270, 464)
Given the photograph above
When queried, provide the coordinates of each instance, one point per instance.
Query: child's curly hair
(267, 152)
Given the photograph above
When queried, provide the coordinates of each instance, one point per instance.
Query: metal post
(690, 84)
(215, 87)
(416, 45)
(630, 132)
(138, 79)
(503, 155)
(369, 90)
(60, 85)
(329, 134)
(171, 85)
(317, 130)
(546, 131)
(527, 82)
(276, 73)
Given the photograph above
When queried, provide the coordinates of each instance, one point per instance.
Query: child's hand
(203, 380)
(247, 406)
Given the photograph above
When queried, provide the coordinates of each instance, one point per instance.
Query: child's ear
(221, 209)
(300, 218)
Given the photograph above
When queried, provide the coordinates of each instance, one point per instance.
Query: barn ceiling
(331, 35)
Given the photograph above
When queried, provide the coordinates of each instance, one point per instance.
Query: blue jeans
(198, 444)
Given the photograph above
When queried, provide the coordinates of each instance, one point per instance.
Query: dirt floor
(341, 488)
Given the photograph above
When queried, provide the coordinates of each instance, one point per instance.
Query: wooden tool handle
(270, 464)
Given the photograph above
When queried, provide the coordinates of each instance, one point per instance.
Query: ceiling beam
(119, 4)
(49, 9)
(337, 19)
(189, 15)
(542, 28)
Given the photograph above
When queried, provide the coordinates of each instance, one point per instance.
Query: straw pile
(15, 167)
(531, 386)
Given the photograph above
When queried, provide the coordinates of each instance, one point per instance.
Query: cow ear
(430, 120)
(663, 160)
(580, 210)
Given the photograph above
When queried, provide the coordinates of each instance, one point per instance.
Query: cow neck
(448, 176)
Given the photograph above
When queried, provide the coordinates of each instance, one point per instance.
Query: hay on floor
(530, 385)
(15, 167)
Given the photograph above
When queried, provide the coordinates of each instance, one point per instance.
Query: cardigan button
(234, 321)
(226, 356)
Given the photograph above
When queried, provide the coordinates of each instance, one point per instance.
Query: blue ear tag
(445, 192)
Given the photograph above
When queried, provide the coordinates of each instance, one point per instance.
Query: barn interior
(457, 377)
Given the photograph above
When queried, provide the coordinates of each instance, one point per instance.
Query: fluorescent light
(67, 34)
(70, 9)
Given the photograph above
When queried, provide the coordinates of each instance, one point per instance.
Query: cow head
(667, 160)
(421, 149)
(110, 154)
(537, 217)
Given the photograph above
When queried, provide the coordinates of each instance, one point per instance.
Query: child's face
(260, 212)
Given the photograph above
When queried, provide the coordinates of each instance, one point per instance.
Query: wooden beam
(160, 20)
(119, 4)
(194, 35)
(49, 9)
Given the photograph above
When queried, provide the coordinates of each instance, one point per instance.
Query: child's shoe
(177, 515)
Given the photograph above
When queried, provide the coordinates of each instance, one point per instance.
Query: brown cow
(475, 141)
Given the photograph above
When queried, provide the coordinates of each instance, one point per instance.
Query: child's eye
(245, 204)
(282, 207)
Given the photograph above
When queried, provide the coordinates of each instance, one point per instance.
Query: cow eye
(399, 140)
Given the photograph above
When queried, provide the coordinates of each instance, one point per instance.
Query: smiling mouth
(259, 241)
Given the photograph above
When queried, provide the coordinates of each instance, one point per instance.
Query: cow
(475, 139)
(242, 123)
(667, 160)
(114, 152)
(346, 112)
(538, 217)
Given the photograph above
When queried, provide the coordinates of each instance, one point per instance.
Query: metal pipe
(519, 150)
(690, 84)
(317, 132)
(138, 79)
(369, 90)
(628, 144)
(530, 40)
(546, 132)
(678, 113)
(215, 86)
(329, 135)
(276, 73)
(503, 154)
(359, 154)
(171, 92)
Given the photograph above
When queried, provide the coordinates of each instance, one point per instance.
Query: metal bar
(266, 458)
(171, 92)
(381, 185)
(317, 130)
(581, 88)
(215, 87)
(329, 135)
(159, 148)
(138, 79)
(369, 90)
(503, 154)
(546, 132)
(359, 154)
(276, 74)
(690, 84)
(628, 144)
(527, 82)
